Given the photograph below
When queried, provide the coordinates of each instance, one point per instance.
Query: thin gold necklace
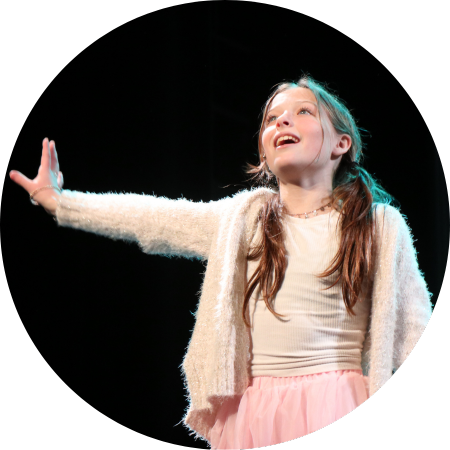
(313, 212)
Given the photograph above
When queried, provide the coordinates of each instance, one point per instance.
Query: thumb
(21, 180)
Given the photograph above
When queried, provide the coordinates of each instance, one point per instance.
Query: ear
(343, 144)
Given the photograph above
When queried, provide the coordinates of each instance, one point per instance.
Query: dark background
(169, 105)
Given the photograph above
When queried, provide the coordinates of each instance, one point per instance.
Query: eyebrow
(298, 101)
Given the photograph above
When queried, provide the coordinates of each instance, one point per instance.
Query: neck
(299, 199)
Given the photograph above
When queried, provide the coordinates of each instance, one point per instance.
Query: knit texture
(217, 361)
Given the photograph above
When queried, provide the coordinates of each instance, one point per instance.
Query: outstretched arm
(158, 225)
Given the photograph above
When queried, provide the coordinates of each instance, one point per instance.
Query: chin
(288, 170)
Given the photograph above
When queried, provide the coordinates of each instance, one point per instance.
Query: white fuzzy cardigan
(216, 364)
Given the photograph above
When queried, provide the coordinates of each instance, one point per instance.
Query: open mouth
(286, 140)
(286, 143)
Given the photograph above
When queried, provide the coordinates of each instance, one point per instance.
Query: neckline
(314, 219)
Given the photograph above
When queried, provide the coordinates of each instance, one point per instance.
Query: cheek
(265, 139)
(314, 130)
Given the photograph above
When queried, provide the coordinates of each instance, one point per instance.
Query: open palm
(48, 175)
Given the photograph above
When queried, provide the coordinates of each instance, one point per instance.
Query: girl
(312, 295)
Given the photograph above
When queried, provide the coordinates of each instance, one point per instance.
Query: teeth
(284, 138)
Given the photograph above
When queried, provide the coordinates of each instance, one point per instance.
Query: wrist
(42, 188)
(46, 196)
(52, 204)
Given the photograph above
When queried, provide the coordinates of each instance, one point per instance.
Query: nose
(284, 119)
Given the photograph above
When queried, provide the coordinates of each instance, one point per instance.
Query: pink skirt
(273, 410)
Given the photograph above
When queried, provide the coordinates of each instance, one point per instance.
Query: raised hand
(48, 175)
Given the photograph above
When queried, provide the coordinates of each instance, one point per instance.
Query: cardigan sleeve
(157, 224)
(413, 305)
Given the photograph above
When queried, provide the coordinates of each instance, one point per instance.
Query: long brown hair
(355, 195)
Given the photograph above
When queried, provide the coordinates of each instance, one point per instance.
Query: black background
(169, 105)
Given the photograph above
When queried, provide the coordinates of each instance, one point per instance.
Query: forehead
(293, 95)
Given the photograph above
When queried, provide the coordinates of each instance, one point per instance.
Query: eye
(303, 108)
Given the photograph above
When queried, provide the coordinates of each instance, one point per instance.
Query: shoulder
(385, 210)
(246, 196)
(389, 217)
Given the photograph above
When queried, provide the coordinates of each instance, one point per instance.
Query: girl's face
(295, 142)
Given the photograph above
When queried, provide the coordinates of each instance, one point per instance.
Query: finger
(21, 180)
(60, 180)
(45, 159)
(54, 165)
